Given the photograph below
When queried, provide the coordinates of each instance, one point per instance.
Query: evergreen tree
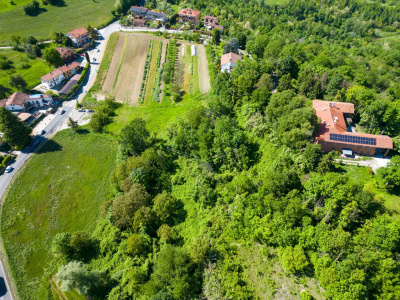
(15, 133)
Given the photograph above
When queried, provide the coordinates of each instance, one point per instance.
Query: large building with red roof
(79, 37)
(188, 14)
(333, 133)
(65, 72)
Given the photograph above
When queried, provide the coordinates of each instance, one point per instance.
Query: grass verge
(60, 189)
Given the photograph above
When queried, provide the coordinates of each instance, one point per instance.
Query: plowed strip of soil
(116, 59)
(204, 77)
(128, 85)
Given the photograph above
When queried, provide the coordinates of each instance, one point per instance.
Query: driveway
(374, 163)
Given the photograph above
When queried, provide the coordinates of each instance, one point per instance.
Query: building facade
(187, 14)
(55, 77)
(24, 102)
(80, 37)
(228, 61)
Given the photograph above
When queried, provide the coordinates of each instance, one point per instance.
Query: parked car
(81, 110)
(61, 112)
(90, 110)
(98, 50)
(43, 132)
(9, 169)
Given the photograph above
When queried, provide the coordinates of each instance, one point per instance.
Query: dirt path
(116, 59)
(164, 51)
(204, 77)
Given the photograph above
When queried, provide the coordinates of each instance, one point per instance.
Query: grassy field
(72, 14)
(390, 199)
(60, 189)
(30, 69)
(158, 115)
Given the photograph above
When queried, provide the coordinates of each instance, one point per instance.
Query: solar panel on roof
(352, 139)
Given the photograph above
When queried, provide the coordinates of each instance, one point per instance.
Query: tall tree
(216, 36)
(134, 137)
(52, 56)
(15, 133)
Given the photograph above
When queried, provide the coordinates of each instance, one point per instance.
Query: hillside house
(80, 37)
(67, 54)
(65, 72)
(187, 14)
(21, 101)
(335, 134)
(228, 61)
(153, 15)
(139, 12)
(211, 22)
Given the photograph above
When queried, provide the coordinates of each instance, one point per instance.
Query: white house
(21, 101)
(55, 77)
(79, 37)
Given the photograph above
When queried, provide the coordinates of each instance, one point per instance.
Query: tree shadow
(82, 131)
(48, 146)
(37, 12)
(59, 3)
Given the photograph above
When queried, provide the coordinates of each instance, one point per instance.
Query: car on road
(61, 112)
(9, 169)
(43, 132)
(98, 50)
(81, 110)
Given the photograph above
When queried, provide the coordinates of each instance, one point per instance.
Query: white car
(9, 169)
(61, 112)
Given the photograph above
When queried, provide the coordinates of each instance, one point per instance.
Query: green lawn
(30, 69)
(74, 14)
(158, 115)
(60, 189)
(371, 182)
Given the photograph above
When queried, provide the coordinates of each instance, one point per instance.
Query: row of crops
(157, 83)
(146, 71)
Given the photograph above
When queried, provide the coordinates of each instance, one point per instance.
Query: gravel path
(204, 77)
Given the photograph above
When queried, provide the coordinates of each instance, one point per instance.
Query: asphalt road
(55, 124)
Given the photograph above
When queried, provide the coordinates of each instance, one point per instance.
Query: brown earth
(130, 75)
(204, 76)
(115, 61)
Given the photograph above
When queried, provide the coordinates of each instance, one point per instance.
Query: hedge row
(157, 83)
(169, 66)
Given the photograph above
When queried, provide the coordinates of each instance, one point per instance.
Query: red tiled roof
(17, 98)
(139, 21)
(76, 33)
(189, 12)
(57, 72)
(209, 18)
(65, 52)
(230, 57)
(332, 121)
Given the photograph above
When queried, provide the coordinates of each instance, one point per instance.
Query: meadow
(67, 16)
(30, 69)
(60, 189)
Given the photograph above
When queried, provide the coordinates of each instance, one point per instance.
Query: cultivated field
(125, 73)
(69, 14)
(61, 189)
(204, 77)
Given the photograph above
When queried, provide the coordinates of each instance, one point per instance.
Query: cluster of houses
(56, 76)
(142, 14)
(22, 104)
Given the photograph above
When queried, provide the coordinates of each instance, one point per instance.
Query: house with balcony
(334, 132)
(80, 37)
(153, 15)
(187, 14)
(65, 72)
(24, 102)
(138, 12)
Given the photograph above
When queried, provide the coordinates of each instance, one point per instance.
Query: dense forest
(237, 197)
